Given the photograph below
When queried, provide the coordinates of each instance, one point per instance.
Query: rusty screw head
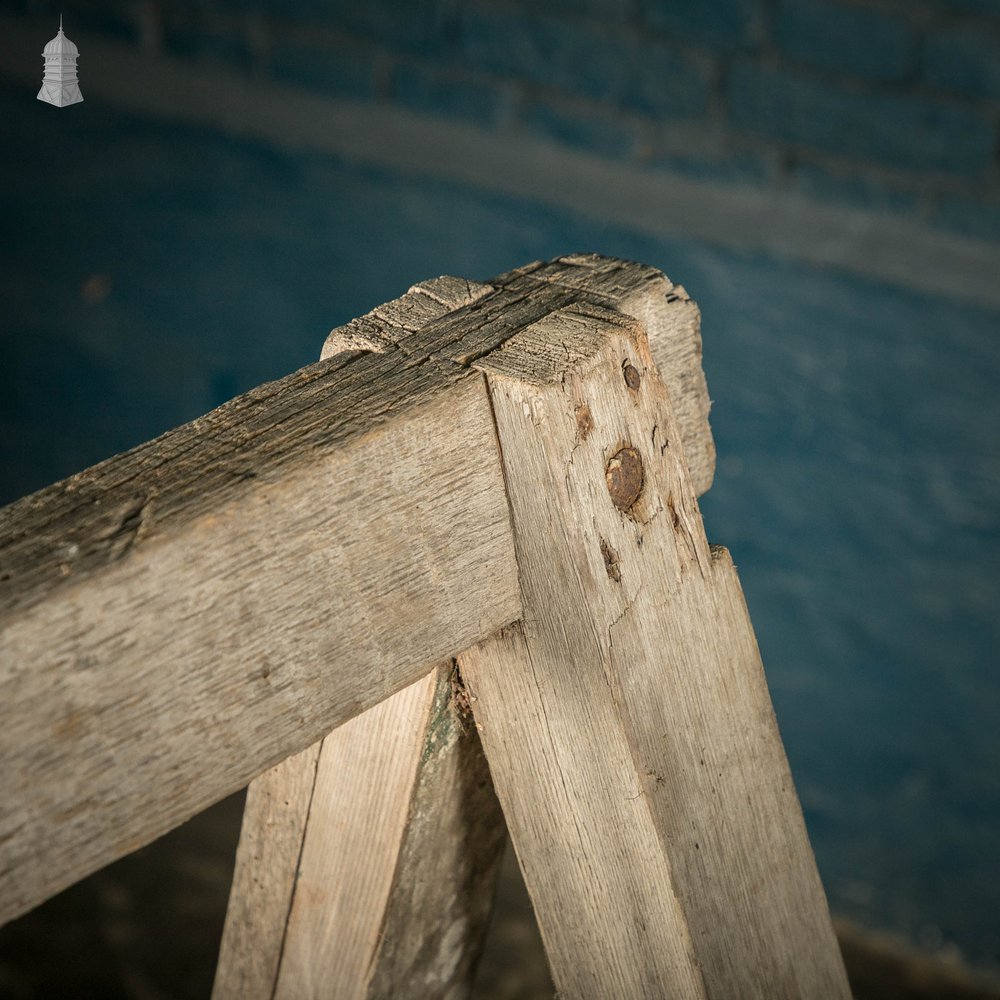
(624, 477)
(632, 376)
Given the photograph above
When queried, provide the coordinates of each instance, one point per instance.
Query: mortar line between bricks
(878, 245)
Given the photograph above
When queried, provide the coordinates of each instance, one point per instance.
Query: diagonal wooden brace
(388, 824)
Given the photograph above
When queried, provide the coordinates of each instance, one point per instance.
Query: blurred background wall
(823, 177)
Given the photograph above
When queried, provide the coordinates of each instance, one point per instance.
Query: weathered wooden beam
(444, 882)
(523, 296)
(322, 939)
(626, 718)
(177, 619)
(367, 863)
(672, 322)
(183, 616)
(275, 816)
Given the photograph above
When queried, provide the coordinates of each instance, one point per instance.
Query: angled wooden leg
(366, 864)
(442, 895)
(626, 719)
(267, 862)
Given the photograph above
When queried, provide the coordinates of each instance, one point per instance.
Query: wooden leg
(626, 720)
(366, 864)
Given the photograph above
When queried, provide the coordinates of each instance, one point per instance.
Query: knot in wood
(624, 477)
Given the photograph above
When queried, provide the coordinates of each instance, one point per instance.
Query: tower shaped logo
(59, 85)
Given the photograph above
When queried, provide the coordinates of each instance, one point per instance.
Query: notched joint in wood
(131, 523)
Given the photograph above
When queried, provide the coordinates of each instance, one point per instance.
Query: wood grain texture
(600, 882)
(378, 881)
(627, 720)
(267, 862)
(439, 907)
(385, 869)
(359, 808)
(168, 623)
(112, 588)
(672, 322)
(183, 616)
(479, 318)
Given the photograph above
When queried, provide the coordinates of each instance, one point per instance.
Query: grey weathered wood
(126, 591)
(377, 881)
(431, 318)
(600, 881)
(442, 895)
(360, 804)
(380, 879)
(673, 329)
(178, 618)
(626, 719)
(479, 318)
(183, 616)
(267, 862)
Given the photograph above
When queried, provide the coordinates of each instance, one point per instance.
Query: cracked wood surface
(377, 874)
(626, 718)
(481, 317)
(261, 598)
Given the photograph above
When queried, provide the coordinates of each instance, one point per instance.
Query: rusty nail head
(624, 477)
(632, 376)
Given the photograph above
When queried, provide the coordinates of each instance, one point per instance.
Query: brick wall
(891, 104)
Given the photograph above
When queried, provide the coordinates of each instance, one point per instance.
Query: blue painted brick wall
(605, 134)
(330, 66)
(901, 131)
(850, 40)
(728, 23)
(604, 64)
(972, 6)
(850, 188)
(894, 104)
(964, 59)
(425, 26)
(190, 34)
(969, 216)
(449, 94)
